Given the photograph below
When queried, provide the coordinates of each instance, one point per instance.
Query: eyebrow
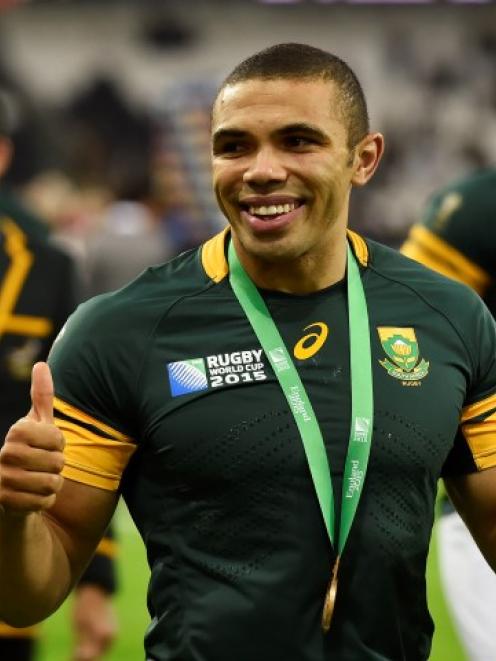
(289, 129)
(222, 134)
(303, 127)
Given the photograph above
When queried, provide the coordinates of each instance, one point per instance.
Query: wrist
(14, 518)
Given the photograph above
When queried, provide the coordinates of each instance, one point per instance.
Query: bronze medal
(330, 598)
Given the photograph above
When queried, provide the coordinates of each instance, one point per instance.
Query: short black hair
(293, 60)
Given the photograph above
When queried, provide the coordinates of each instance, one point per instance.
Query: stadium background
(102, 91)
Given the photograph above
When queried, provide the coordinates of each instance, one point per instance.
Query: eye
(298, 142)
(229, 148)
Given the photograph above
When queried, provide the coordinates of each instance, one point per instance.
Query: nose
(264, 168)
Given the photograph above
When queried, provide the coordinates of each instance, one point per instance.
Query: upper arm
(80, 516)
(94, 369)
(474, 496)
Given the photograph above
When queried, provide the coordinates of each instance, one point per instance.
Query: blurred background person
(38, 290)
(457, 237)
(113, 148)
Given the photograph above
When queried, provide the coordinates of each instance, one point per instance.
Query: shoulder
(471, 187)
(20, 238)
(54, 256)
(446, 310)
(12, 208)
(456, 233)
(134, 309)
(462, 203)
(428, 287)
(98, 355)
(462, 214)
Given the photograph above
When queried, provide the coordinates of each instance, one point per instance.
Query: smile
(272, 210)
(265, 218)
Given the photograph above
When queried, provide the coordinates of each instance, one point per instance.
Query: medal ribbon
(362, 404)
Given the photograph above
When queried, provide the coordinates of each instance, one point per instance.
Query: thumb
(41, 393)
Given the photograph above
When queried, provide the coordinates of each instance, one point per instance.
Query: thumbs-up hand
(31, 458)
(41, 394)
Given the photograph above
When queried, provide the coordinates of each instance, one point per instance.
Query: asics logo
(311, 342)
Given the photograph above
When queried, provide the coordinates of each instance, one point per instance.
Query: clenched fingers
(31, 461)
(21, 503)
(31, 458)
(42, 435)
(23, 491)
(18, 480)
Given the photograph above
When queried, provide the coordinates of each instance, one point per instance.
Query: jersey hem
(81, 474)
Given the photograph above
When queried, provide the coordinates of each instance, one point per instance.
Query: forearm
(474, 496)
(35, 573)
(487, 545)
(49, 526)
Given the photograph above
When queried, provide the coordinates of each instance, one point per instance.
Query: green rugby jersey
(456, 235)
(164, 393)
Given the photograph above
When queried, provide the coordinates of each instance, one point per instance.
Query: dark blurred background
(109, 103)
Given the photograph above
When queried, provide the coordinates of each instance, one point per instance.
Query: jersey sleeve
(475, 443)
(94, 373)
(456, 235)
(426, 247)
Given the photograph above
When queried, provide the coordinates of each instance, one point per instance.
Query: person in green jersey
(275, 407)
(37, 293)
(456, 236)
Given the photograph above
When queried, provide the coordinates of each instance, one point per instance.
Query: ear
(5, 154)
(368, 154)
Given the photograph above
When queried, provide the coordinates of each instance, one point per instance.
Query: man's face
(282, 169)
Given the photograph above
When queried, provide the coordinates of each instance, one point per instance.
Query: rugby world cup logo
(187, 376)
(403, 359)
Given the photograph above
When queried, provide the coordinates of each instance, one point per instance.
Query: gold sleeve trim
(7, 631)
(107, 547)
(92, 459)
(432, 251)
(359, 247)
(81, 474)
(479, 408)
(481, 439)
(74, 412)
(213, 256)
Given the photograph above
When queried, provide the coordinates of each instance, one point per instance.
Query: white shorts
(469, 586)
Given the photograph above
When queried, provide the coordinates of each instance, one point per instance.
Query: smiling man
(286, 152)
(275, 407)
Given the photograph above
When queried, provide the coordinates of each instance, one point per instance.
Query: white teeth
(272, 210)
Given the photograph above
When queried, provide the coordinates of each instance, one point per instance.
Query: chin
(275, 251)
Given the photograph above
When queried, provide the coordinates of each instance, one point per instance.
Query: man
(37, 294)
(243, 455)
(457, 237)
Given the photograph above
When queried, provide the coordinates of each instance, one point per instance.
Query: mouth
(270, 215)
(268, 212)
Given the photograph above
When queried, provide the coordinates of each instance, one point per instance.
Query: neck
(303, 274)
